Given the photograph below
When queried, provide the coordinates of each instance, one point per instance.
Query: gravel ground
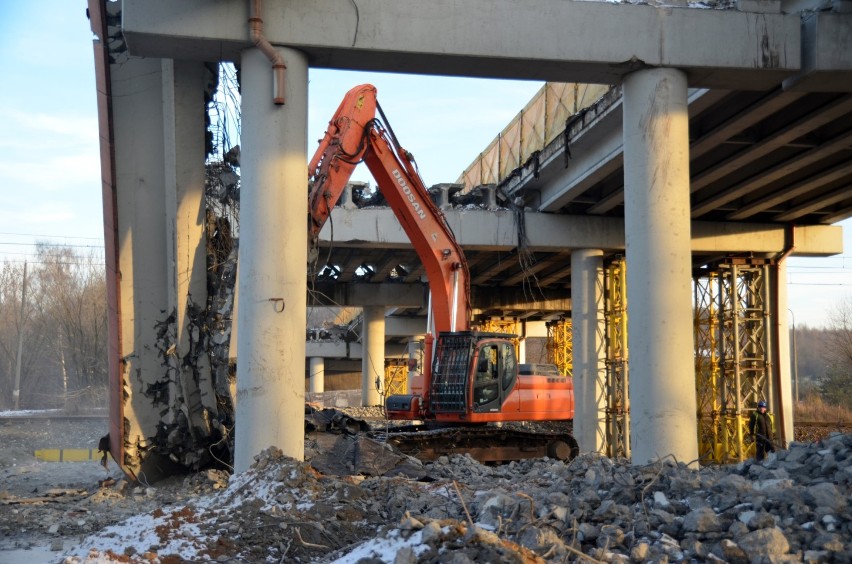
(533, 511)
(49, 507)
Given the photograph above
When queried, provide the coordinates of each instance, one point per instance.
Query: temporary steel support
(732, 354)
(396, 377)
(711, 447)
(617, 411)
(560, 345)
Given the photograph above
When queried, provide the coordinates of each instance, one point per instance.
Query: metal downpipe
(259, 40)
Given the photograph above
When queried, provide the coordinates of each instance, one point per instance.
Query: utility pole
(16, 394)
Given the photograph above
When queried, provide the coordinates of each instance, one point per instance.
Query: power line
(47, 236)
(79, 263)
(817, 284)
(41, 244)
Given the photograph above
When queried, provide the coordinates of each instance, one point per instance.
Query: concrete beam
(412, 296)
(542, 299)
(405, 326)
(826, 45)
(495, 231)
(366, 295)
(328, 349)
(338, 365)
(593, 42)
(351, 351)
(595, 150)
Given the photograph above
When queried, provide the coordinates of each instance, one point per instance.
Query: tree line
(823, 358)
(61, 328)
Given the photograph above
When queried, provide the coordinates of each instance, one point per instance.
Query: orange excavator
(470, 378)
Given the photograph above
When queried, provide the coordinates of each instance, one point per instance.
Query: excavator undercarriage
(429, 441)
(487, 443)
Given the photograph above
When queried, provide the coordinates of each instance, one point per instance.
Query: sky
(50, 160)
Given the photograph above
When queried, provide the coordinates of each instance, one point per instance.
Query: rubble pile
(793, 507)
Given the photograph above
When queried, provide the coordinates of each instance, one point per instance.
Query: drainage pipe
(781, 408)
(257, 37)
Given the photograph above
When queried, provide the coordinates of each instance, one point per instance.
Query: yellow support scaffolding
(617, 410)
(707, 371)
(732, 355)
(502, 325)
(396, 377)
(560, 345)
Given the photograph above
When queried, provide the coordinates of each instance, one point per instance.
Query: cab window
(508, 365)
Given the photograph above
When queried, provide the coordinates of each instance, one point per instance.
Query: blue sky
(49, 155)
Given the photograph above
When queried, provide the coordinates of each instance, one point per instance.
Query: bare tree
(836, 385)
(33, 380)
(72, 294)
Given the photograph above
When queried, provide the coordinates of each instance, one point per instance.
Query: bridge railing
(536, 125)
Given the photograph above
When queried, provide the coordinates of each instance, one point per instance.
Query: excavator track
(486, 444)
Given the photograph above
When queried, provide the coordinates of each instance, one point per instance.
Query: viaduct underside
(680, 187)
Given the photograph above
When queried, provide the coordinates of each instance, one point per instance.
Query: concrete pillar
(141, 224)
(415, 364)
(183, 127)
(587, 334)
(373, 355)
(784, 395)
(657, 235)
(317, 374)
(273, 255)
(346, 200)
(522, 350)
(443, 199)
(489, 193)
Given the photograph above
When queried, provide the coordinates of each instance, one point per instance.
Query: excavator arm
(354, 135)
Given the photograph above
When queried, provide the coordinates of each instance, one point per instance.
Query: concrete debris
(345, 507)
(793, 507)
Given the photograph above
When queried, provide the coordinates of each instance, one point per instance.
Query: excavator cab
(472, 372)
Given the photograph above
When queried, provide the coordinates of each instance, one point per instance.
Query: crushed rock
(793, 507)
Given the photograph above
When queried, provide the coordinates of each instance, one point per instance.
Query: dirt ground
(327, 509)
(42, 509)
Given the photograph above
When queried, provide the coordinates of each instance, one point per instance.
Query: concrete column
(587, 334)
(183, 126)
(346, 200)
(273, 255)
(141, 223)
(522, 350)
(657, 235)
(442, 196)
(317, 374)
(489, 193)
(415, 364)
(784, 395)
(373, 355)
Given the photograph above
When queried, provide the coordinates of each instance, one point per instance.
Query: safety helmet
(761, 403)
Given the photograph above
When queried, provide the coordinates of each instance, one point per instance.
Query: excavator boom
(355, 135)
(475, 377)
